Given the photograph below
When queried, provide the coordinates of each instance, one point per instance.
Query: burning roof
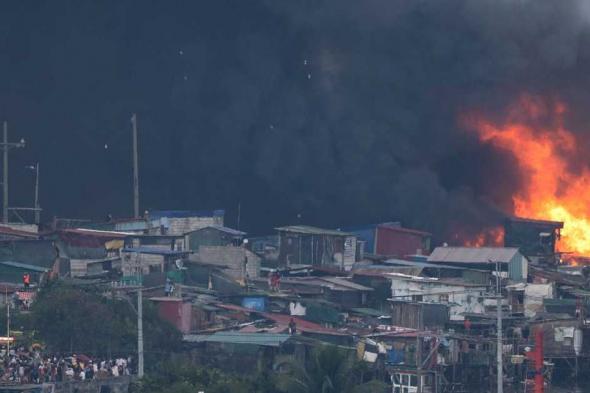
(555, 180)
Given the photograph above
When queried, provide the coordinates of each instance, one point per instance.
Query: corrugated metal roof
(345, 284)
(556, 224)
(369, 311)
(97, 233)
(186, 213)
(4, 230)
(473, 254)
(309, 230)
(230, 231)
(263, 339)
(24, 266)
(154, 251)
(405, 230)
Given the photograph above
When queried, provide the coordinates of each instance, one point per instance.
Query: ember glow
(545, 151)
(486, 238)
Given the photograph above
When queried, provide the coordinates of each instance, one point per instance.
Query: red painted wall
(399, 242)
(177, 313)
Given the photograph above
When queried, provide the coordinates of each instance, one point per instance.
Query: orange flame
(545, 155)
(487, 238)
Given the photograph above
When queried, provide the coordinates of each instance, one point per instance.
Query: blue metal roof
(186, 213)
(263, 339)
(155, 251)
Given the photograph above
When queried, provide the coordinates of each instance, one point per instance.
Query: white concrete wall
(182, 225)
(461, 299)
(533, 298)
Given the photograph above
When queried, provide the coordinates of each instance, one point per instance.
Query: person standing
(27, 281)
(292, 327)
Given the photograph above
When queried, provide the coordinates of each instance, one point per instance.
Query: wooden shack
(419, 315)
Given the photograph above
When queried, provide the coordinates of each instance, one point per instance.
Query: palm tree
(330, 370)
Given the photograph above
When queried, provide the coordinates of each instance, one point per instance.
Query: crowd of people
(23, 366)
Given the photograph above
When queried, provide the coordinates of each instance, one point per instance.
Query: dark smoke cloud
(338, 110)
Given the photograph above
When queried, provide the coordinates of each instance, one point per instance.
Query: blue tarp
(395, 356)
(254, 303)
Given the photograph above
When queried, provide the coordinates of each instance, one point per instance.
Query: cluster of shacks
(423, 318)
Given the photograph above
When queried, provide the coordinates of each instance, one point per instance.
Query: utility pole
(7, 321)
(140, 332)
(135, 168)
(5, 177)
(140, 371)
(500, 380)
(419, 362)
(37, 207)
(5, 147)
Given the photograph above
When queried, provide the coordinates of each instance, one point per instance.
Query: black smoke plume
(335, 111)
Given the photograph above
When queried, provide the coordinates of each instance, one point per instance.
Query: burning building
(536, 239)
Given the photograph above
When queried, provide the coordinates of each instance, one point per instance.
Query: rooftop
(473, 254)
(404, 230)
(155, 251)
(230, 231)
(186, 213)
(556, 224)
(309, 230)
(24, 266)
(401, 262)
(263, 339)
(4, 230)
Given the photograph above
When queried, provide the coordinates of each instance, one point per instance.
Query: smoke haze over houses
(338, 110)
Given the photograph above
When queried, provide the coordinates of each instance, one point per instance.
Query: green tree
(72, 319)
(181, 377)
(330, 370)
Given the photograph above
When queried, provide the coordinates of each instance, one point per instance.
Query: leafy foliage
(181, 377)
(70, 319)
(330, 370)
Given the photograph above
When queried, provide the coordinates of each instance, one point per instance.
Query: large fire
(489, 237)
(553, 190)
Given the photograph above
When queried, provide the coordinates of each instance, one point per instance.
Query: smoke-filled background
(337, 111)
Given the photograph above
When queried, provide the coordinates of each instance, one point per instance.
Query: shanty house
(328, 248)
(535, 238)
(390, 239)
(157, 242)
(81, 247)
(39, 258)
(145, 225)
(459, 296)
(180, 222)
(238, 263)
(8, 233)
(419, 315)
(149, 260)
(244, 352)
(509, 260)
(528, 298)
(563, 337)
(176, 311)
(213, 236)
